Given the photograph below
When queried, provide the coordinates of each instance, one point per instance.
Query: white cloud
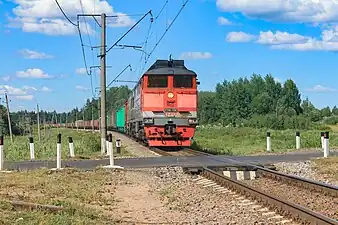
(30, 54)
(29, 88)
(43, 16)
(320, 88)
(81, 88)
(283, 10)
(6, 78)
(223, 21)
(81, 71)
(25, 97)
(196, 55)
(279, 37)
(328, 40)
(46, 89)
(32, 73)
(239, 37)
(11, 90)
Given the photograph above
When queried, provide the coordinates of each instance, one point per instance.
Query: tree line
(259, 101)
(22, 121)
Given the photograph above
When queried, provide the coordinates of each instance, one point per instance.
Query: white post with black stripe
(118, 146)
(297, 140)
(111, 155)
(71, 147)
(110, 149)
(31, 148)
(58, 152)
(322, 139)
(268, 142)
(326, 144)
(107, 145)
(2, 157)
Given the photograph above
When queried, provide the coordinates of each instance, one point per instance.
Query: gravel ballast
(306, 170)
(316, 201)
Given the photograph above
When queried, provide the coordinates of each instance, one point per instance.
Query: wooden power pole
(103, 84)
(9, 119)
(38, 118)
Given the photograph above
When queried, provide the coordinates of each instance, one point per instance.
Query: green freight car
(120, 119)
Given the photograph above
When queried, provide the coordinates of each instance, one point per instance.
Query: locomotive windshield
(157, 81)
(182, 81)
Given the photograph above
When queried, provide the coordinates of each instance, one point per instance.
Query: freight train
(161, 110)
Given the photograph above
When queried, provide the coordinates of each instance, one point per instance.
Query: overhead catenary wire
(129, 66)
(91, 47)
(144, 46)
(167, 29)
(149, 12)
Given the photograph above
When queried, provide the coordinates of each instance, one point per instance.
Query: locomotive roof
(169, 67)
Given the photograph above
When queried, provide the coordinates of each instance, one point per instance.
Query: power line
(82, 45)
(144, 46)
(91, 47)
(64, 14)
(166, 2)
(149, 12)
(167, 29)
(119, 74)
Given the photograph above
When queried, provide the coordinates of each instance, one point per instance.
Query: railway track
(284, 207)
(287, 208)
(182, 152)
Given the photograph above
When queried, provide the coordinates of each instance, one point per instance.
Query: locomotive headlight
(148, 121)
(193, 121)
(170, 95)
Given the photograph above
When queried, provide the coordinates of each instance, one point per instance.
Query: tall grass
(86, 144)
(245, 140)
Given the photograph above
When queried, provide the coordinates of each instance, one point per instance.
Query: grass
(245, 141)
(87, 199)
(86, 145)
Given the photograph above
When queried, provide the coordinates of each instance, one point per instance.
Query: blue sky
(219, 39)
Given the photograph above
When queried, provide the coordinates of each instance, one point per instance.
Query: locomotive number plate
(171, 114)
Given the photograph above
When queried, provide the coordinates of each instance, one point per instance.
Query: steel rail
(283, 207)
(327, 189)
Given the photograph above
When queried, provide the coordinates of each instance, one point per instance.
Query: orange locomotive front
(163, 107)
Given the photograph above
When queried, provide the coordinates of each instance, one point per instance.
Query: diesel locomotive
(162, 108)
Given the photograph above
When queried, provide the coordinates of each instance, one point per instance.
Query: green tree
(335, 111)
(325, 112)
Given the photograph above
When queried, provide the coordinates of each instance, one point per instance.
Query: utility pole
(9, 119)
(76, 123)
(44, 125)
(38, 111)
(92, 118)
(83, 118)
(103, 84)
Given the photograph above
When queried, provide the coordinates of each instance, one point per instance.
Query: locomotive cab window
(157, 81)
(183, 81)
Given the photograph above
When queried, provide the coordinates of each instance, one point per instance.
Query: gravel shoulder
(322, 169)
(133, 148)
